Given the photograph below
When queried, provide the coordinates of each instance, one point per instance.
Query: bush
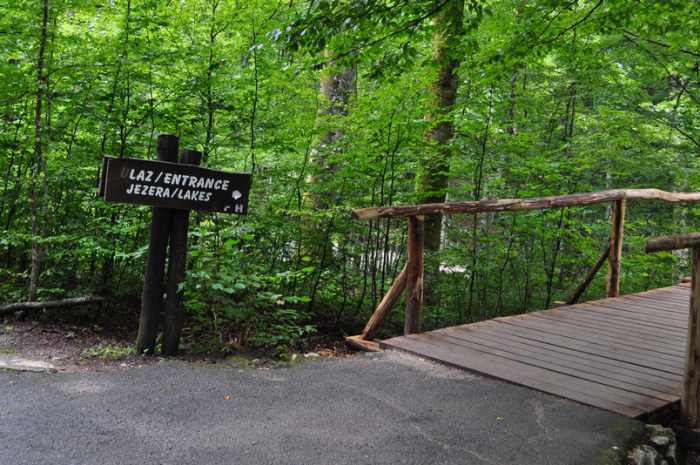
(232, 298)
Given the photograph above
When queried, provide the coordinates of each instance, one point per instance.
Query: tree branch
(660, 44)
(678, 81)
(24, 306)
(573, 26)
(651, 115)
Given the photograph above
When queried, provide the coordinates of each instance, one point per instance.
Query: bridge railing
(690, 393)
(411, 277)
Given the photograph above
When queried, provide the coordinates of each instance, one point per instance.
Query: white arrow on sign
(236, 195)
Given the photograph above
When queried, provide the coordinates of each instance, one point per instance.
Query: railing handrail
(411, 278)
(531, 203)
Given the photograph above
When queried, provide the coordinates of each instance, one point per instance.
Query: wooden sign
(173, 185)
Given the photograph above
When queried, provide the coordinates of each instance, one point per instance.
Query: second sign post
(167, 225)
(173, 189)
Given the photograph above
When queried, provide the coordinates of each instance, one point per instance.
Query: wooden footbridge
(624, 354)
(638, 355)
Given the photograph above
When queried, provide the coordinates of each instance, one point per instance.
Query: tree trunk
(432, 180)
(39, 163)
(337, 87)
(432, 177)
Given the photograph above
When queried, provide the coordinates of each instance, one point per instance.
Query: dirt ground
(82, 347)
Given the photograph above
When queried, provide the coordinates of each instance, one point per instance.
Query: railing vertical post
(690, 405)
(690, 397)
(414, 275)
(615, 258)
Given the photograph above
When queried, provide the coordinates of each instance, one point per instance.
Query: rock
(11, 362)
(659, 447)
(645, 455)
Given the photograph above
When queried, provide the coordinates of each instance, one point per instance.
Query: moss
(628, 435)
(239, 361)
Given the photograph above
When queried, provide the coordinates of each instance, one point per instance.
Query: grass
(107, 351)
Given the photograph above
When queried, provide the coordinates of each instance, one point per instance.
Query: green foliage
(233, 298)
(554, 98)
(391, 37)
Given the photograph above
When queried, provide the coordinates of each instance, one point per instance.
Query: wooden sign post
(173, 189)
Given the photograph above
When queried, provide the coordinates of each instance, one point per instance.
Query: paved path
(386, 408)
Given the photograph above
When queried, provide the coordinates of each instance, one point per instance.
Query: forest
(338, 105)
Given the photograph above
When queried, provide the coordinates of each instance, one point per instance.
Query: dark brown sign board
(173, 185)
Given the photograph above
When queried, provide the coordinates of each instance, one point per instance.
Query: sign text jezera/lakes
(173, 185)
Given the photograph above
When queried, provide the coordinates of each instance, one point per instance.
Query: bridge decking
(624, 354)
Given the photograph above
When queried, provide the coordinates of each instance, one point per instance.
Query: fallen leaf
(227, 397)
(499, 418)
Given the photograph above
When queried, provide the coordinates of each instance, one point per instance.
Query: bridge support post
(414, 275)
(615, 258)
(690, 399)
(690, 396)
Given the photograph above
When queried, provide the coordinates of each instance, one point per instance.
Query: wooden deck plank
(678, 293)
(637, 316)
(606, 324)
(672, 301)
(603, 385)
(606, 330)
(667, 382)
(613, 324)
(610, 342)
(644, 305)
(675, 297)
(506, 370)
(648, 307)
(672, 310)
(596, 349)
(634, 323)
(559, 348)
(677, 289)
(624, 354)
(573, 366)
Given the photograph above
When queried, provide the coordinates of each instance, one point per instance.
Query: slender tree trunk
(209, 76)
(431, 180)
(37, 249)
(432, 176)
(337, 87)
